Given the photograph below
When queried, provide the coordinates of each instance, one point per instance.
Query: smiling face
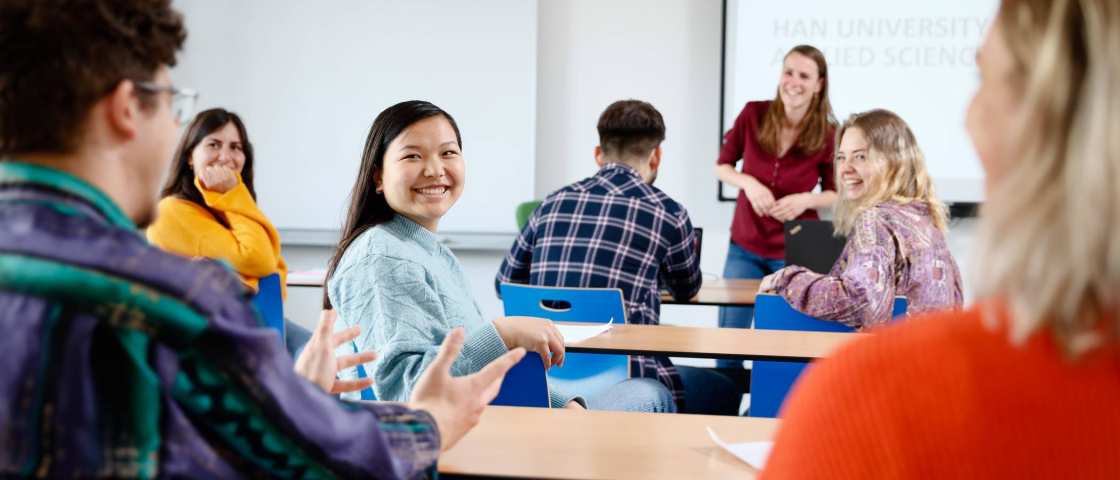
(221, 148)
(858, 172)
(800, 81)
(423, 174)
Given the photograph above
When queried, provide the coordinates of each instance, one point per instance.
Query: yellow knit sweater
(250, 244)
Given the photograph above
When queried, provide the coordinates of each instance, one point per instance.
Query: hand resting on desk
(535, 335)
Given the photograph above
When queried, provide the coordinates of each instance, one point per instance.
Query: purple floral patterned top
(894, 249)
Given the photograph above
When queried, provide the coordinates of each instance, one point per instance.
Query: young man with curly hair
(121, 360)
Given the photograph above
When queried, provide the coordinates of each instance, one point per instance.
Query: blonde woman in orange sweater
(1026, 383)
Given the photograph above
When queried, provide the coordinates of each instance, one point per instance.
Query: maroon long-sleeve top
(794, 172)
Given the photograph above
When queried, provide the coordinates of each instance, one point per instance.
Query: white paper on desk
(307, 276)
(579, 333)
(754, 453)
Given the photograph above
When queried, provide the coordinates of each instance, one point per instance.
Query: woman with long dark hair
(392, 276)
(209, 208)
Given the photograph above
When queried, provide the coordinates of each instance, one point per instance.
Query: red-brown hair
(818, 121)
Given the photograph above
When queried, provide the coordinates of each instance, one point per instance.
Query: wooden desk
(717, 291)
(521, 442)
(727, 292)
(709, 342)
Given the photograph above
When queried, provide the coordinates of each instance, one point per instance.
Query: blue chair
(771, 380)
(269, 302)
(524, 385)
(582, 373)
(367, 393)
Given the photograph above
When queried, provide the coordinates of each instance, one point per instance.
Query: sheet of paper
(307, 276)
(578, 333)
(754, 453)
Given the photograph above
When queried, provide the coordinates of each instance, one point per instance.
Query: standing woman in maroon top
(786, 145)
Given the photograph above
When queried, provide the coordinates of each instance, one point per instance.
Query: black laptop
(699, 241)
(810, 244)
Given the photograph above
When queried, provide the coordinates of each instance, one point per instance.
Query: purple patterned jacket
(894, 249)
(120, 360)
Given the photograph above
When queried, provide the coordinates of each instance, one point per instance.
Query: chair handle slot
(556, 305)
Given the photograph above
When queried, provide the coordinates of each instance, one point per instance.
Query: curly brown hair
(58, 57)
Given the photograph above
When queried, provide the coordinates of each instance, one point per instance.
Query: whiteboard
(914, 58)
(308, 78)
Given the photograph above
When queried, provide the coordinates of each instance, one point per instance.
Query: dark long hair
(181, 181)
(367, 207)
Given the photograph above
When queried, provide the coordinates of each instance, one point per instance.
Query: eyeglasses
(182, 99)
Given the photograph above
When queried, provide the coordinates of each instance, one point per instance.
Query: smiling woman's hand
(217, 179)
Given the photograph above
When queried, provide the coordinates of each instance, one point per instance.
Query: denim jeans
(742, 264)
(634, 395)
(708, 392)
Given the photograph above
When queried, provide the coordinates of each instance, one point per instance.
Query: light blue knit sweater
(406, 291)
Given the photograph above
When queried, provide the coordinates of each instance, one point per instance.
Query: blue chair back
(269, 302)
(367, 393)
(582, 373)
(771, 380)
(525, 384)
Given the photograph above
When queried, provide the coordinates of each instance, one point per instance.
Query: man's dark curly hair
(58, 57)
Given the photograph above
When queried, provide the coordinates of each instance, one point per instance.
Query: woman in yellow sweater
(209, 207)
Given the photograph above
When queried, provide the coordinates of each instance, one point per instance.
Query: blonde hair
(1050, 230)
(817, 122)
(904, 177)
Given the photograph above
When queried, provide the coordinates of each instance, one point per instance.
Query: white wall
(590, 54)
(666, 52)
(309, 78)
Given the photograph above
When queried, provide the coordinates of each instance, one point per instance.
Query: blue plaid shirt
(612, 230)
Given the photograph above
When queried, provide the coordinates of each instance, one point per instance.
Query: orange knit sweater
(942, 396)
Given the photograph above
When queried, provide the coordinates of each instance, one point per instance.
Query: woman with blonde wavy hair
(895, 227)
(1026, 383)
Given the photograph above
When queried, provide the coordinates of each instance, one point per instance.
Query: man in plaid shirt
(616, 230)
